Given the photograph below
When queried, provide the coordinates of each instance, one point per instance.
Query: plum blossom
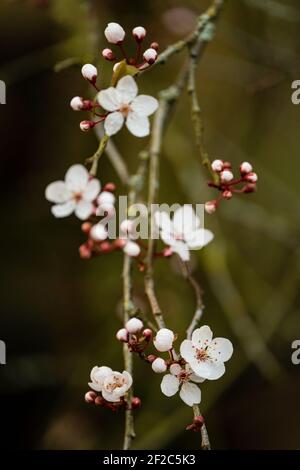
(134, 325)
(114, 33)
(181, 378)
(164, 340)
(124, 105)
(113, 385)
(183, 233)
(75, 194)
(206, 355)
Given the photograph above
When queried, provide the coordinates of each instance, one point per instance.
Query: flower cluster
(227, 184)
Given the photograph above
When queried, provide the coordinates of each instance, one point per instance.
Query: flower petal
(57, 192)
(109, 99)
(84, 209)
(193, 377)
(175, 369)
(113, 123)
(169, 385)
(128, 379)
(63, 210)
(110, 396)
(202, 337)
(127, 89)
(220, 349)
(181, 249)
(199, 238)
(163, 221)
(190, 394)
(92, 190)
(138, 125)
(77, 178)
(208, 369)
(144, 105)
(185, 220)
(187, 350)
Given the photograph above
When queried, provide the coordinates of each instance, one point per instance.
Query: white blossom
(124, 105)
(75, 194)
(134, 325)
(164, 340)
(181, 378)
(206, 355)
(114, 33)
(159, 365)
(183, 233)
(113, 385)
(89, 72)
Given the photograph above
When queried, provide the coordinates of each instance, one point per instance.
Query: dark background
(59, 313)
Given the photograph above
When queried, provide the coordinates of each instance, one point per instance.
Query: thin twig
(205, 443)
(95, 158)
(198, 295)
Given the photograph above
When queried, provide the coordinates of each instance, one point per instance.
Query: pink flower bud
(122, 335)
(154, 45)
(245, 168)
(150, 56)
(210, 206)
(217, 165)
(114, 33)
(89, 72)
(119, 243)
(110, 187)
(159, 366)
(98, 232)
(86, 227)
(226, 176)
(84, 251)
(251, 177)
(139, 33)
(90, 397)
(151, 358)
(136, 402)
(227, 194)
(134, 325)
(76, 103)
(108, 54)
(147, 333)
(85, 126)
(249, 188)
(105, 247)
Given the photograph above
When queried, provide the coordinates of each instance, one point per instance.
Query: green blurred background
(59, 313)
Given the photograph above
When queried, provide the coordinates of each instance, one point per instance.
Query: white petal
(193, 377)
(168, 238)
(84, 209)
(128, 379)
(113, 123)
(220, 349)
(77, 178)
(138, 125)
(190, 394)
(181, 249)
(208, 369)
(127, 88)
(202, 337)
(63, 210)
(185, 220)
(187, 350)
(163, 221)
(57, 192)
(92, 190)
(100, 373)
(169, 385)
(109, 99)
(95, 386)
(175, 369)
(111, 397)
(144, 105)
(199, 238)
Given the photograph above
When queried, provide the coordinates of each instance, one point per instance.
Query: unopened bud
(108, 54)
(105, 247)
(111, 187)
(154, 45)
(90, 397)
(136, 402)
(227, 194)
(132, 249)
(89, 72)
(150, 56)
(159, 366)
(85, 126)
(151, 358)
(139, 33)
(227, 165)
(226, 176)
(106, 197)
(98, 232)
(245, 168)
(134, 325)
(127, 226)
(76, 103)
(114, 33)
(217, 165)
(251, 177)
(147, 333)
(84, 251)
(86, 227)
(249, 188)
(122, 335)
(119, 243)
(116, 66)
(210, 206)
